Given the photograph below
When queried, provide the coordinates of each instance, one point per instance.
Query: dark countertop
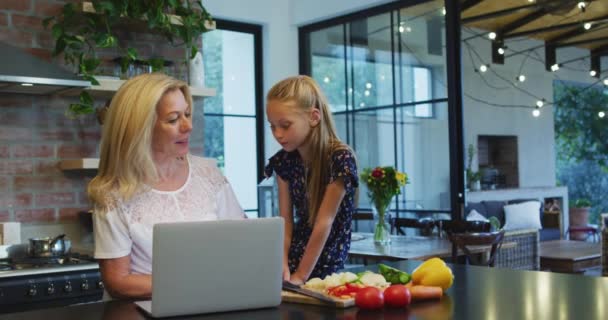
(477, 293)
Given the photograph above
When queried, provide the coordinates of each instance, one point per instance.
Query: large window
(384, 72)
(233, 118)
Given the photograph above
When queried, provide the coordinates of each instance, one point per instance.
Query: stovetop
(25, 265)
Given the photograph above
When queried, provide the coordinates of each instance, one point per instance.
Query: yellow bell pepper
(433, 272)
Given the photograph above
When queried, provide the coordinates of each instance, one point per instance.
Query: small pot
(49, 247)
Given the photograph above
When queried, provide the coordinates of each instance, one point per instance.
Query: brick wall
(35, 134)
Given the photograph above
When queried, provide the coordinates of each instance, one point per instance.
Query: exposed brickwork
(15, 200)
(47, 8)
(35, 215)
(35, 134)
(5, 216)
(4, 184)
(3, 19)
(33, 151)
(16, 5)
(4, 152)
(71, 214)
(24, 166)
(17, 38)
(55, 198)
(26, 22)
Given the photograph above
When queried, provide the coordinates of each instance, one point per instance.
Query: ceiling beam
(600, 51)
(596, 65)
(523, 21)
(467, 4)
(599, 20)
(550, 56)
(579, 42)
(500, 13)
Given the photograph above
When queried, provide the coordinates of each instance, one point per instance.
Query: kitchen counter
(478, 293)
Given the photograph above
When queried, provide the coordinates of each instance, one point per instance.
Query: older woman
(146, 175)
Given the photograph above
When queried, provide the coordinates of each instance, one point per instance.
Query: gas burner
(5, 266)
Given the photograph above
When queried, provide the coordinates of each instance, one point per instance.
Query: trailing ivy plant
(78, 34)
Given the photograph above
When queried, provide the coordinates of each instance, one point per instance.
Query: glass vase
(382, 226)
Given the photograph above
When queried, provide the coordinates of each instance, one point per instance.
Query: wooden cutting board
(288, 296)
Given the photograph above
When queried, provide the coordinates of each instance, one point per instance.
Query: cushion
(476, 216)
(541, 209)
(522, 216)
(477, 206)
(495, 209)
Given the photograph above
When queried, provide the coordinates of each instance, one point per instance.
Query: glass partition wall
(384, 72)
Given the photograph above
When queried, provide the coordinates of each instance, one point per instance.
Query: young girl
(317, 177)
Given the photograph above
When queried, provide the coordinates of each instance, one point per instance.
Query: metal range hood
(21, 72)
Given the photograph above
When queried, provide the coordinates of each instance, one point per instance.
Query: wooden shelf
(79, 164)
(107, 87)
(88, 7)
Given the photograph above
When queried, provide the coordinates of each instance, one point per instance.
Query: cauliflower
(373, 280)
(333, 280)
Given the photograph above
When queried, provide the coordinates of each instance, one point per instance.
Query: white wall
(307, 11)
(279, 36)
(536, 137)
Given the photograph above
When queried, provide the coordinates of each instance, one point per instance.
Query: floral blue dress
(290, 167)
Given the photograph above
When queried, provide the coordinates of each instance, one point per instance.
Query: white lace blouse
(127, 229)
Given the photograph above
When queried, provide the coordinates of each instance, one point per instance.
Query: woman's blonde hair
(304, 91)
(126, 162)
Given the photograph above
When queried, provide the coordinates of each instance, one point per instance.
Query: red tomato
(369, 298)
(397, 295)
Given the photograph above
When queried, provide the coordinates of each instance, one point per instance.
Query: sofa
(525, 255)
(549, 230)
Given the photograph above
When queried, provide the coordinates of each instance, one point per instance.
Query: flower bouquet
(383, 183)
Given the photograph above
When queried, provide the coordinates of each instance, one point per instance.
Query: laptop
(214, 266)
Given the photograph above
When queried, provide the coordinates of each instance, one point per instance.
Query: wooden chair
(424, 225)
(361, 215)
(462, 241)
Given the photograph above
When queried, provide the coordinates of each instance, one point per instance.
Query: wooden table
(407, 248)
(570, 256)
(477, 293)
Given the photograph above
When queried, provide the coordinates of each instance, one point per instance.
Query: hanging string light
(540, 103)
(592, 73)
(521, 78)
(555, 67)
(582, 5)
(601, 114)
(536, 112)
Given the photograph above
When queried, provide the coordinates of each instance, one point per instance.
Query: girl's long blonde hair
(306, 94)
(126, 162)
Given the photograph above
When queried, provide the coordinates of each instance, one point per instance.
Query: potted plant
(579, 217)
(579, 212)
(473, 177)
(78, 33)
